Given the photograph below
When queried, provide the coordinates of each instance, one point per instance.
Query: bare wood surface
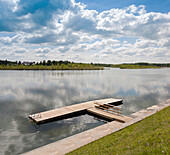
(69, 110)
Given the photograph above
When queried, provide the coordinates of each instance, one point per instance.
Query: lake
(26, 92)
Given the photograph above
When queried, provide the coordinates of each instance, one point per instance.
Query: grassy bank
(126, 66)
(149, 136)
(139, 65)
(70, 67)
(52, 67)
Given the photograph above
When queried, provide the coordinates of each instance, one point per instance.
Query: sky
(98, 31)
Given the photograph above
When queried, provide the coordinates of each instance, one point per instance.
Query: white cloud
(11, 40)
(146, 25)
(66, 27)
(44, 50)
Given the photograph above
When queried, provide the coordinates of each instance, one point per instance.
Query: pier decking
(108, 115)
(71, 143)
(72, 110)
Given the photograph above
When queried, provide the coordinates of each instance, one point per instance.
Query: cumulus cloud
(65, 26)
(11, 40)
(30, 15)
(56, 17)
(147, 25)
(44, 50)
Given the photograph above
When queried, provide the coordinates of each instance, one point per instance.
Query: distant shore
(67, 65)
(136, 67)
(41, 67)
(75, 67)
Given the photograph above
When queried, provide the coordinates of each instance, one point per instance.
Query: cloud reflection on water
(26, 92)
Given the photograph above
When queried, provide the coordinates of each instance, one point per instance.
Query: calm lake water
(26, 92)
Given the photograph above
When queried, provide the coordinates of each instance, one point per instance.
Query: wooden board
(108, 115)
(67, 111)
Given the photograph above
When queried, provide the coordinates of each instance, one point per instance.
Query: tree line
(72, 65)
(46, 65)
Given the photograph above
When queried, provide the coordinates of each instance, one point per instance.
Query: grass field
(127, 66)
(52, 67)
(149, 136)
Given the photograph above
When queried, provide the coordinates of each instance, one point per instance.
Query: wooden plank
(109, 110)
(68, 110)
(44, 116)
(108, 106)
(109, 101)
(109, 115)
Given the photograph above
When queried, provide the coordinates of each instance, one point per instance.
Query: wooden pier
(108, 115)
(65, 112)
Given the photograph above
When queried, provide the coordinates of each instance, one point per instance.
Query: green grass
(149, 136)
(52, 67)
(127, 66)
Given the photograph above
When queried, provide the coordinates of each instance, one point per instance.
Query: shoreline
(50, 68)
(69, 144)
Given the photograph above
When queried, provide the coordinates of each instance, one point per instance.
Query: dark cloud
(7, 17)
(30, 15)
